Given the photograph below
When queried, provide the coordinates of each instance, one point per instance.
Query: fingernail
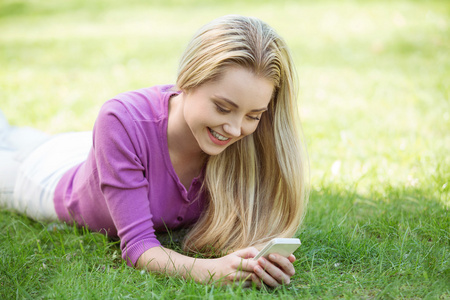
(272, 257)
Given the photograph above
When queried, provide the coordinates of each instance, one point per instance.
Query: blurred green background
(374, 75)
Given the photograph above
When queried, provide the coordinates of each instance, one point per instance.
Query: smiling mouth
(217, 135)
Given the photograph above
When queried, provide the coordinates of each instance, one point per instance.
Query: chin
(214, 149)
(212, 152)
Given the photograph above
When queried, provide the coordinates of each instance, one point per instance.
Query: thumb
(246, 253)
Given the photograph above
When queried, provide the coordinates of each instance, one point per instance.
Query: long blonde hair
(256, 187)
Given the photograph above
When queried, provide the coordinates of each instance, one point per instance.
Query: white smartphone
(282, 246)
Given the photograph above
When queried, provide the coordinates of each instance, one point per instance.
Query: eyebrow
(237, 106)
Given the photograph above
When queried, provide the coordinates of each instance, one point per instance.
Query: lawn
(375, 109)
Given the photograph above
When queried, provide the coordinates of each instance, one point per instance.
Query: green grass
(376, 114)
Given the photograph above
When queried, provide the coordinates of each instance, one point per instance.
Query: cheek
(193, 114)
(249, 128)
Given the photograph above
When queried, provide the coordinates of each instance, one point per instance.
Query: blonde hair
(256, 187)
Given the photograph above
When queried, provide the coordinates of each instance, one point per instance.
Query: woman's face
(224, 111)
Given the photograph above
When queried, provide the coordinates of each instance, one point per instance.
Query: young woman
(219, 152)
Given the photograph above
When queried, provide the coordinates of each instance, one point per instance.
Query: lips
(217, 138)
(217, 135)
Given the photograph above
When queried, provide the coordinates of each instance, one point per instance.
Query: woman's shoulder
(142, 104)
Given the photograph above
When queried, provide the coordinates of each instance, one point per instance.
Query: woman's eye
(255, 118)
(221, 109)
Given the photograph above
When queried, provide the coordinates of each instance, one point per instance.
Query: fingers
(271, 274)
(291, 258)
(237, 268)
(242, 259)
(284, 263)
(272, 271)
(275, 271)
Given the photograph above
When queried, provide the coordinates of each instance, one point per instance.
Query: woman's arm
(235, 267)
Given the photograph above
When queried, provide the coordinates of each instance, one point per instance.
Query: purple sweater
(128, 187)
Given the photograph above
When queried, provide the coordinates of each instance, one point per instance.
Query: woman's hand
(274, 271)
(235, 267)
(240, 266)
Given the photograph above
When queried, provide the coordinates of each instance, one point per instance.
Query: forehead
(242, 87)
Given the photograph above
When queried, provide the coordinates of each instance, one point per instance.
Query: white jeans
(32, 163)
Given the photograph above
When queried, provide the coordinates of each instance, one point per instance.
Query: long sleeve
(122, 179)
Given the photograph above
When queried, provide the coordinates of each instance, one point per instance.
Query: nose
(233, 129)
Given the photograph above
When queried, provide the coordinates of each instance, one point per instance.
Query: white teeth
(218, 136)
